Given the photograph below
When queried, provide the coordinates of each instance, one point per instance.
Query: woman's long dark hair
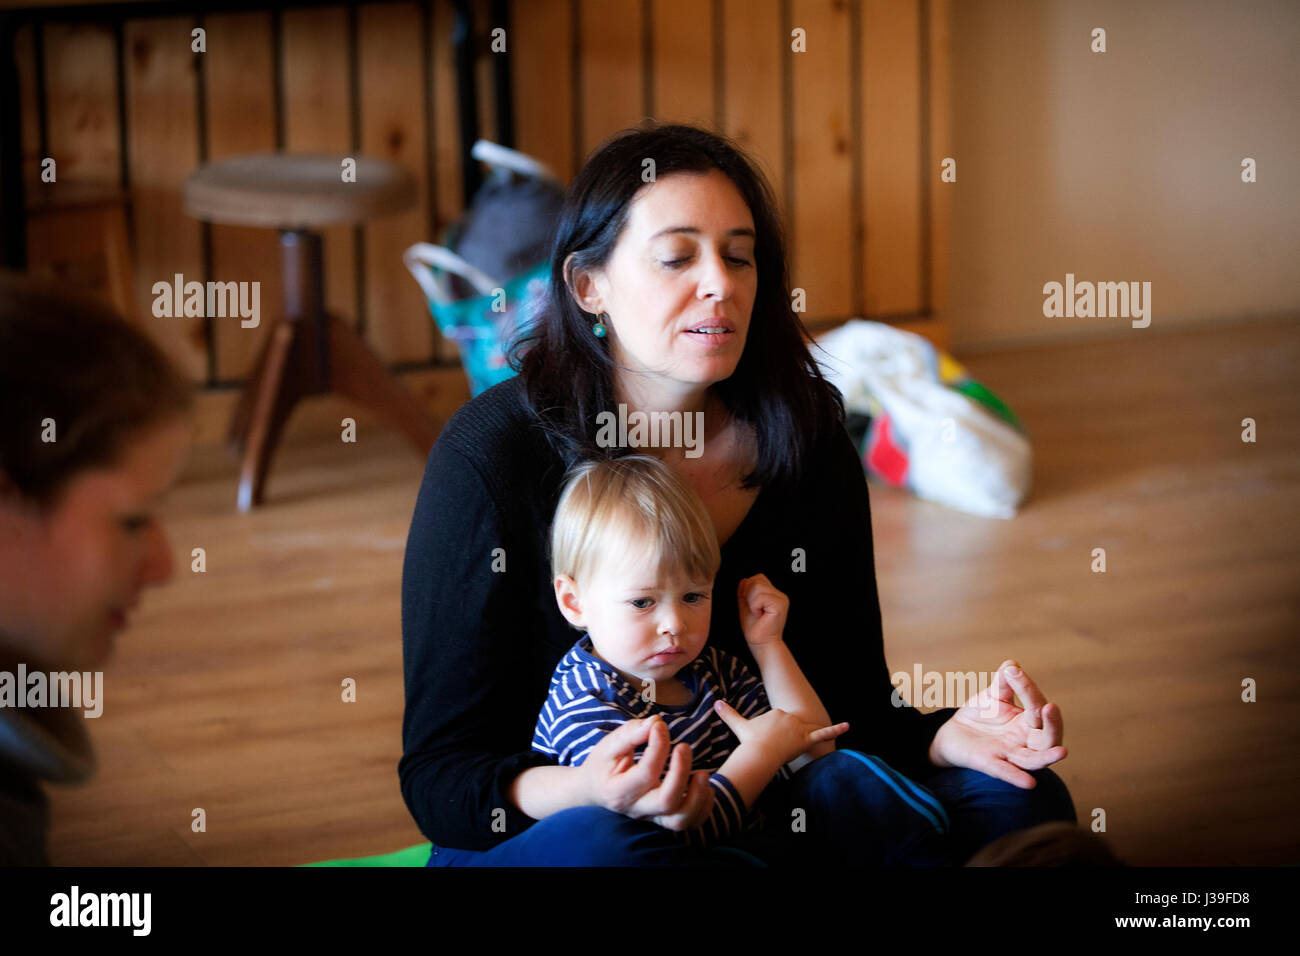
(568, 373)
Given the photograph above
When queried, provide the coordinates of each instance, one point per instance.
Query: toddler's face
(647, 622)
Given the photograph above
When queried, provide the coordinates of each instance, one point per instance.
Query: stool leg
(291, 366)
(275, 395)
(309, 353)
(358, 374)
(237, 434)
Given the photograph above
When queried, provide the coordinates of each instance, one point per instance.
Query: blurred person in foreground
(94, 430)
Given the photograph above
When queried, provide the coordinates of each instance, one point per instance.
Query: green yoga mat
(419, 856)
(411, 856)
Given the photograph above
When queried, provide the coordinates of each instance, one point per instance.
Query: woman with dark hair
(669, 295)
(94, 430)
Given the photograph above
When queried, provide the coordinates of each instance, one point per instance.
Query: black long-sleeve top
(481, 632)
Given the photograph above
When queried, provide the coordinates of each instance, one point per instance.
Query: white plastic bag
(958, 452)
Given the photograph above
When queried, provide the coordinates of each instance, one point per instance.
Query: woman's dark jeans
(845, 809)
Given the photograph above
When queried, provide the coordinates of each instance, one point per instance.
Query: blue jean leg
(589, 836)
(983, 808)
(857, 811)
(854, 810)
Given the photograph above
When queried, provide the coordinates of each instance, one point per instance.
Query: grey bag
(511, 221)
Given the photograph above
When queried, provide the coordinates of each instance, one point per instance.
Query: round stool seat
(296, 190)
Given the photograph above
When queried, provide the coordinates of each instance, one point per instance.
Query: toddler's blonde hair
(609, 506)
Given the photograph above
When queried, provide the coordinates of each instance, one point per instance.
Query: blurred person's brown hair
(72, 359)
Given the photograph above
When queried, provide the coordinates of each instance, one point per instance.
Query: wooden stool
(308, 352)
(71, 225)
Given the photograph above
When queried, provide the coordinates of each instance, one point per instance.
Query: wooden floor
(225, 694)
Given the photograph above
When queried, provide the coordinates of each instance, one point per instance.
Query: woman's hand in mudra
(615, 781)
(991, 734)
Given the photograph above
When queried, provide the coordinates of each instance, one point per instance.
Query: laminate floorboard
(225, 694)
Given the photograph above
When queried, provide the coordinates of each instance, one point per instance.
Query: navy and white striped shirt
(588, 698)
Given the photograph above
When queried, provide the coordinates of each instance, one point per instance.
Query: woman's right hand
(780, 735)
(615, 781)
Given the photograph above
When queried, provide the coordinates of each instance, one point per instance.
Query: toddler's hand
(781, 735)
(763, 610)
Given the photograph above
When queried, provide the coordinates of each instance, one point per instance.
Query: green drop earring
(599, 328)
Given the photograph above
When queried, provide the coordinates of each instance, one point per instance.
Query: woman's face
(78, 571)
(684, 263)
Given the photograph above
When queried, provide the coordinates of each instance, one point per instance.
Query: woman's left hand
(991, 734)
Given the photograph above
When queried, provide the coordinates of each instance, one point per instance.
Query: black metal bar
(501, 80)
(430, 149)
(124, 141)
(462, 38)
(42, 98)
(123, 120)
(13, 238)
(277, 76)
(430, 119)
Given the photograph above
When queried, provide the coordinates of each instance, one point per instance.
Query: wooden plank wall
(850, 132)
(160, 77)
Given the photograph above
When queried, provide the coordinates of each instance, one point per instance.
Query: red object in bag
(884, 457)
